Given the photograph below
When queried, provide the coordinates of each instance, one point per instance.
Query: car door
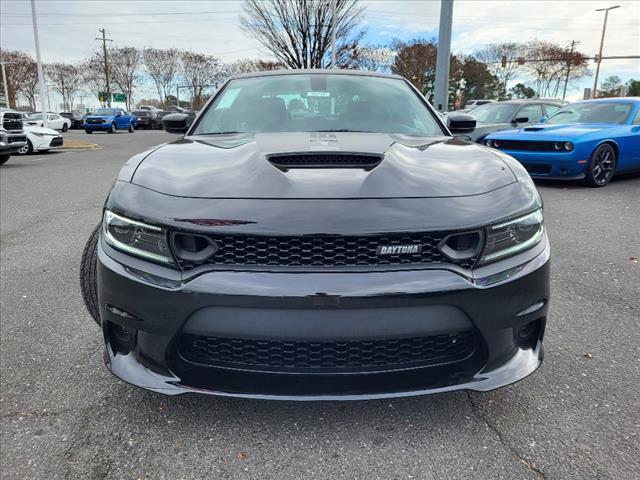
(55, 122)
(532, 112)
(120, 119)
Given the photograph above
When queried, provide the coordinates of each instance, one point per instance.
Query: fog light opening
(529, 334)
(121, 339)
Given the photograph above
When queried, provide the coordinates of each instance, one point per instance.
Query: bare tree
(374, 58)
(248, 65)
(298, 33)
(93, 75)
(163, 66)
(200, 72)
(503, 60)
(15, 72)
(67, 80)
(547, 64)
(124, 69)
(29, 86)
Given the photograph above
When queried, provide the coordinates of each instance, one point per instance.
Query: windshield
(140, 113)
(494, 112)
(35, 116)
(104, 111)
(317, 102)
(595, 112)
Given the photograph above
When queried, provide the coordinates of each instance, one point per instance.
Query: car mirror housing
(521, 120)
(461, 122)
(176, 122)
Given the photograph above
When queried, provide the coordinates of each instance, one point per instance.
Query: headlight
(514, 236)
(568, 146)
(38, 134)
(136, 238)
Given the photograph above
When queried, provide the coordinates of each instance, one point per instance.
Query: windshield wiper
(229, 132)
(344, 130)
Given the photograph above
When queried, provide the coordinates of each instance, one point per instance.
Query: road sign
(119, 97)
(103, 96)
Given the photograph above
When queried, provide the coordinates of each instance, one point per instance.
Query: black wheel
(131, 128)
(4, 158)
(27, 149)
(86, 130)
(65, 127)
(88, 271)
(113, 128)
(602, 166)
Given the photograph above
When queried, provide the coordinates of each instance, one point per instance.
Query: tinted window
(494, 112)
(592, 112)
(318, 102)
(533, 112)
(104, 111)
(636, 120)
(551, 109)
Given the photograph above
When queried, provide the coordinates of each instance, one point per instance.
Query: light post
(34, 20)
(4, 82)
(604, 28)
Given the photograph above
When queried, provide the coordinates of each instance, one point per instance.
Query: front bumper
(551, 165)
(97, 126)
(322, 307)
(11, 143)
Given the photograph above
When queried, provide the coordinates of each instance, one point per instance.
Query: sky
(68, 29)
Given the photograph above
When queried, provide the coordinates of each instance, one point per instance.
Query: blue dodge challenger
(591, 140)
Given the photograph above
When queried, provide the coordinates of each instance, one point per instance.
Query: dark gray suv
(319, 235)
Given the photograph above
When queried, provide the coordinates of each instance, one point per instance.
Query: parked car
(146, 119)
(40, 139)
(178, 122)
(109, 120)
(476, 103)
(356, 253)
(12, 136)
(75, 117)
(591, 140)
(493, 117)
(54, 121)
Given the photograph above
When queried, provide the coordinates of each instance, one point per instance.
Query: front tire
(4, 158)
(86, 130)
(113, 128)
(65, 127)
(602, 166)
(27, 149)
(131, 128)
(88, 275)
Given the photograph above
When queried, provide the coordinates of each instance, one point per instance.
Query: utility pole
(106, 64)
(443, 58)
(333, 33)
(34, 20)
(604, 29)
(569, 60)
(4, 83)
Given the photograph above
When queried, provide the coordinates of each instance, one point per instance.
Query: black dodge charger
(319, 235)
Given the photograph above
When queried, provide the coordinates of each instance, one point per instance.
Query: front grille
(325, 160)
(12, 121)
(326, 356)
(94, 121)
(325, 251)
(539, 168)
(56, 142)
(16, 138)
(527, 145)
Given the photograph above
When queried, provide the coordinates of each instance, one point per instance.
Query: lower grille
(533, 145)
(56, 142)
(326, 356)
(539, 168)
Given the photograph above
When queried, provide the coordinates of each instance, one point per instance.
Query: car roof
(611, 100)
(520, 101)
(324, 71)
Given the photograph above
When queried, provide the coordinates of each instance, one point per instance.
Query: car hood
(40, 130)
(554, 132)
(234, 166)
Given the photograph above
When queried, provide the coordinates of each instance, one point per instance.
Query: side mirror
(521, 120)
(176, 122)
(543, 118)
(118, 114)
(461, 123)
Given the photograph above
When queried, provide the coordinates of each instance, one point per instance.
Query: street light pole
(4, 82)
(333, 33)
(443, 57)
(39, 62)
(604, 28)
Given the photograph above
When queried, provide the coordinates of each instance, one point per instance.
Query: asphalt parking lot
(64, 416)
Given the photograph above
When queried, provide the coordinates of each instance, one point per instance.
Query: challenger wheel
(88, 278)
(113, 128)
(27, 149)
(602, 166)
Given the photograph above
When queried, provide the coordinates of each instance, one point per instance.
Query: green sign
(115, 97)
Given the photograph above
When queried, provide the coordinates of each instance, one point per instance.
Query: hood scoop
(290, 161)
(533, 129)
